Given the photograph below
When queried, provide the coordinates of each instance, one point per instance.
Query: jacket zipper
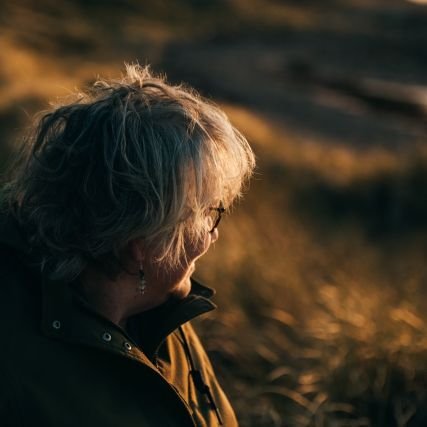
(198, 379)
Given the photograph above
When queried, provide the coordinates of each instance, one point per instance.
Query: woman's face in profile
(166, 282)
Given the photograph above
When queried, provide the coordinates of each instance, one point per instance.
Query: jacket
(64, 365)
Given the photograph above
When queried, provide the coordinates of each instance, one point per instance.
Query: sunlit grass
(330, 159)
(328, 320)
(320, 270)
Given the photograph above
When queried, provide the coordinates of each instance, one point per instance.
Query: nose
(214, 235)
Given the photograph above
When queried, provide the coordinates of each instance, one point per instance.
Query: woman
(114, 198)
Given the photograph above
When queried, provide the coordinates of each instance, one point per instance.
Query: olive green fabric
(62, 364)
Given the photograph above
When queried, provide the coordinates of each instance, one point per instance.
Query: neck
(120, 298)
(116, 300)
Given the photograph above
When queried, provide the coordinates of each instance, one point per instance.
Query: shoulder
(11, 413)
(202, 363)
(18, 287)
(197, 348)
(20, 308)
(18, 283)
(13, 322)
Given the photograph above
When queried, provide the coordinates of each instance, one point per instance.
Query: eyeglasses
(216, 215)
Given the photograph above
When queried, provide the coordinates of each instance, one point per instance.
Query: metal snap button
(56, 324)
(106, 337)
(127, 346)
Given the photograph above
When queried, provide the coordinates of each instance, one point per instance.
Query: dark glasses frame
(220, 211)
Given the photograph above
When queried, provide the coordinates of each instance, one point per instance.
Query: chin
(182, 290)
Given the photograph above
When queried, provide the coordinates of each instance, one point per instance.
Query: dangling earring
(142, 282)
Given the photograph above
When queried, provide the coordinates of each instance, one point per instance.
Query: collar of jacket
(66, 316)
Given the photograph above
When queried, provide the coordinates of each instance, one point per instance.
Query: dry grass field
(321, 269)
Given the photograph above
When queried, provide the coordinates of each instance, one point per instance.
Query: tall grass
(321, 271)
(323, 316)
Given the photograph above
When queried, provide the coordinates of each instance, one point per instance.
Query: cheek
(197, 249)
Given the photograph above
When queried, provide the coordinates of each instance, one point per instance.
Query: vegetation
(321, 270)
(321, 286)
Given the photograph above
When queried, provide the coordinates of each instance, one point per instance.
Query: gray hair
(129, 158)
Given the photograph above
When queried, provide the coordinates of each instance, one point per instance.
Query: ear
(136, 251)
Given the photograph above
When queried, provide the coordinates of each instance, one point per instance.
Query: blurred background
(321, 270)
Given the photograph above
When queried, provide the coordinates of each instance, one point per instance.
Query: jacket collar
(68, 317)
(150, 328)
(65, 316)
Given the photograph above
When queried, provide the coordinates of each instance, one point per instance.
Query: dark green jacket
(61, 364)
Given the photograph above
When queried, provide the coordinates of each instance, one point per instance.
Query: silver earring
(142, 282)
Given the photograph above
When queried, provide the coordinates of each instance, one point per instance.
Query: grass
(320, 270)
(324, 291)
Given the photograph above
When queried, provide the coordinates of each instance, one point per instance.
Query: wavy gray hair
(129, 158)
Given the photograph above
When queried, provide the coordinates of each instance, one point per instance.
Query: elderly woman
(113, 199)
